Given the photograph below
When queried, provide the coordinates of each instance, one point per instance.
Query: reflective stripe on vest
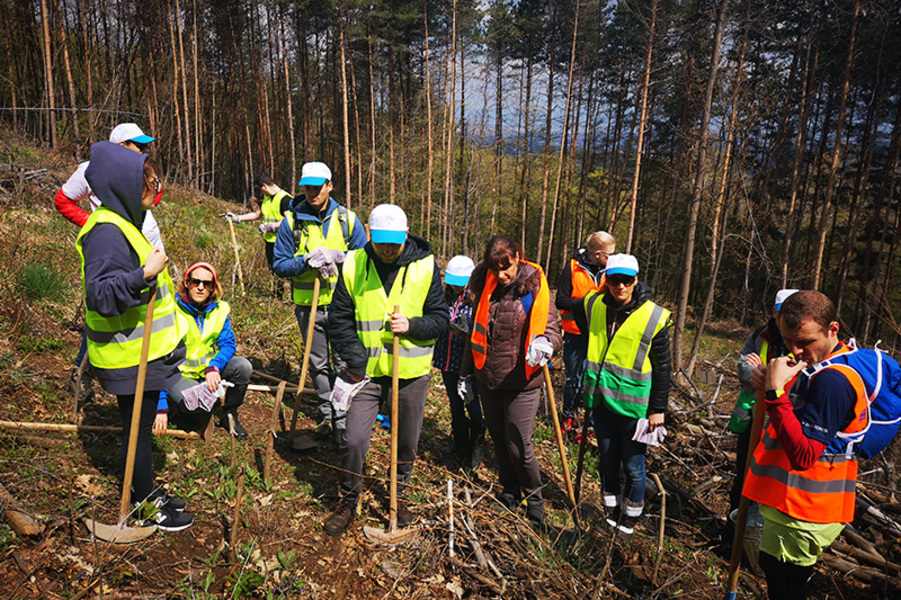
(372, 308)
(825, 492)
(478, 341)
(270, 212)
(582, 284)
(202, 346)
(620, 371)
(115, 342)
(309, 237)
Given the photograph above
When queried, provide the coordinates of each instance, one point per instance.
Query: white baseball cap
(458, 270)
(129, 132)
(388, 224)
(622, 264)
(782, 296)
(314, 173)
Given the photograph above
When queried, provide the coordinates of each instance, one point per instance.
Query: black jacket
(659, 354)
(342, 327)
(564, 300)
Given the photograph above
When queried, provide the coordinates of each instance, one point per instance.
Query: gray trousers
(236, 371)
(361, 416)
(320, 371)
(510, 416)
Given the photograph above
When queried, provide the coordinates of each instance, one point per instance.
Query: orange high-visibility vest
(824, 493)
(537, 318)
(582, 283)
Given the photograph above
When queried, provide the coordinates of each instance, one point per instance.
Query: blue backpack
(881, 376)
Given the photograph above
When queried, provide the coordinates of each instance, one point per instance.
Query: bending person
(211, 357)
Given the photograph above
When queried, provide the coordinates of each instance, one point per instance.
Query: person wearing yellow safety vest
(583, 273)
(763, 344)
(803, 473)
(394, 269)
(311, 243)
(627, 377)
(119, 268)
(275, 205)
(211, 345)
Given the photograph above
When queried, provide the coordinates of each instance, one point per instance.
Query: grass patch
(31, 344)
(37, 281)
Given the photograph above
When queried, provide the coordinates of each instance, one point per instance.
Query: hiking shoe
(621, 521)
(161, 499)
(508, 499)
(535, 513)
(340, 520)
(169, 519)
(230, 423)
(404, 516)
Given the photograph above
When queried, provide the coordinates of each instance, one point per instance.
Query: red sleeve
(801, 450)
(68, 208)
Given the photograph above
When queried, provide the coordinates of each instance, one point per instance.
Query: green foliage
(204, 240)
(29, 344)
(6, 536)
(38, 281)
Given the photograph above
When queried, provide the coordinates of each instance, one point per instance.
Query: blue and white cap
(782, 296)
(314, 173)
(458, 270)
(388, 224)
(622, 264)
(129, 132)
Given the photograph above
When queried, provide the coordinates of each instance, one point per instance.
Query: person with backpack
(763, 344)
(803, 472)
(211, 345)
(311, 242)
(466, 413)
(120, 268)
(274, 206)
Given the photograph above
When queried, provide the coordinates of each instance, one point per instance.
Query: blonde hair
(601, 238)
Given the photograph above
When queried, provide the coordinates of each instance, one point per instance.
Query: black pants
(784, 581)
(142, 483)
(466, 418)
(510, 416)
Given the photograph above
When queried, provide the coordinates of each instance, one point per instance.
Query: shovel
(561, 447)
(393, 535)
(120, 533)
(307, 347)
(231, 228)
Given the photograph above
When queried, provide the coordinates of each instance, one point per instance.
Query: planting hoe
(121, 533)
(393, 535)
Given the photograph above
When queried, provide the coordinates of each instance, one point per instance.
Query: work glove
(540, 351)
(343, 392)
(335, 257)
(465, 389)
(230, 216)
(316, 258)
(460, 324)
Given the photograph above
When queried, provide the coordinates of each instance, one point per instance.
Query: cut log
(22, 523)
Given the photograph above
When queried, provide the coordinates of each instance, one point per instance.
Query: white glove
(465, 389)
(343, 392)
(263, 227)
(336, 257)
(328, 270)
(540, 351)
(317, 258)
(230, 216)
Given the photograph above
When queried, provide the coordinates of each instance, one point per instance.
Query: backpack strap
(345, 225)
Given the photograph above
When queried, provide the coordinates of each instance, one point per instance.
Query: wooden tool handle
(395, 395)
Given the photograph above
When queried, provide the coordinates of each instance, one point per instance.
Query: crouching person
(211, 345)
(394, 269)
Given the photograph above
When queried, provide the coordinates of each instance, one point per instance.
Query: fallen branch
(71, 428)
(22, 523)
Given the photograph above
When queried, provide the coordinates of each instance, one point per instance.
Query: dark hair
(500, 252)
(807, 304)
(264, 180)
(150, 170)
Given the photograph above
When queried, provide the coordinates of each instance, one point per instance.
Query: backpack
(881, 376)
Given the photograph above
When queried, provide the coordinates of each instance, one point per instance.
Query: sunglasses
(621, 280)
(194, 282)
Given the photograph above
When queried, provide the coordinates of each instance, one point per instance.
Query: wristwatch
(773, 394)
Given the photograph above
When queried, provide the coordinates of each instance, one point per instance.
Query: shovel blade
(389, 538)
(304, 440)
(115, 534)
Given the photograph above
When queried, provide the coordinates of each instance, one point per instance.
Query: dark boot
(535, 512)
(509, 498)
(230, 423)
(340, 520)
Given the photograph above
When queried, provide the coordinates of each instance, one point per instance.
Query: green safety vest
(271, 214)
(309, 237)
(202, 346)
(620, 370)
(372, 309)
(115, 342)
(741, 413)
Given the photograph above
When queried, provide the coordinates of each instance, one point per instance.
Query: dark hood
(414, 249)
(116, 177)
(581, 256)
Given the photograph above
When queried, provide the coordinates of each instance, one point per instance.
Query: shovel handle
(136, 412)
(307, 348)
(561, 446)
(395, 396)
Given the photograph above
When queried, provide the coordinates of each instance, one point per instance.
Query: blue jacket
(284, 263)
(226, 342)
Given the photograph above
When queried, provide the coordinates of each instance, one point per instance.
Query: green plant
(204, 240)
(28, 344)
(38, 281)
(7, 537)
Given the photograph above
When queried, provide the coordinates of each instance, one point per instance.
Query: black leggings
(142, 483)
(785, 581)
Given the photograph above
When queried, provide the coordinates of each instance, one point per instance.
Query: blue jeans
(614, 433)
(575, 348)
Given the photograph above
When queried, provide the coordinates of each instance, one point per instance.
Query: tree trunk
(430, 160)
(642, 123)
(498, 133)
(371, 127)
(184, 92)
(175, 79)
(836, 151)
(344, 115)
(695, 207)
(546, 153)
(526, 153)
(449, 151)
(48, 72)
(70, 82)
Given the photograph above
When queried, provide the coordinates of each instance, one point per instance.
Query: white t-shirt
(77, 189)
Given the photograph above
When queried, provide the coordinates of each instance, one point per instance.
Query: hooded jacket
(284, 262)
(342, 327)
(508, 317)
(113, 275)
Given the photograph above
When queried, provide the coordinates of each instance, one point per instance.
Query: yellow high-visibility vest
(202, 346)
(269, 209)
(309, 237)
